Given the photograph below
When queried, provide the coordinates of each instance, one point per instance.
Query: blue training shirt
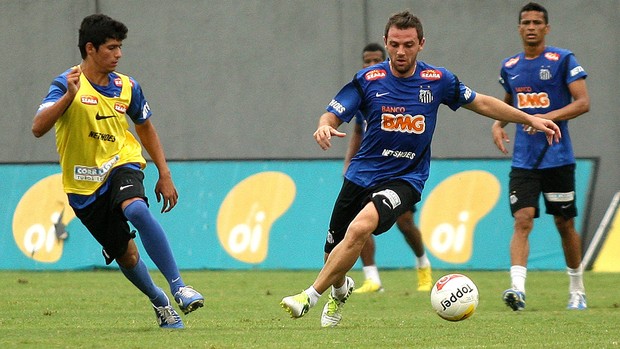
(539, 86)
(400, 115)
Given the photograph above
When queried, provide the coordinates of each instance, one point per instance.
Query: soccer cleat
(514, 299)
(577, 301)
(296, 305)
(167, 317)
(188, 299)
(369, 286)
(425, 279)
(332, 311)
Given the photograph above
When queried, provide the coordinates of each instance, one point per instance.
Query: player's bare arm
(579, 105)
(497, 130)
(46, 118)
(328, 124)
(164, 189)
(498, 110)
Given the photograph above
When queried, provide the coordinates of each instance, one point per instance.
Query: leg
(413, 236)
(343, 256)
(154, 240)
(368, 252)
(372, 282)
(156, 244)
(337, 262)
(571, 244)
(519, 245)
(571, 241)
(514, 297)
(135, 271)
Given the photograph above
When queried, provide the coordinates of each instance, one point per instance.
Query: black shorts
(391, 200)
(104, 218)
(556, 184)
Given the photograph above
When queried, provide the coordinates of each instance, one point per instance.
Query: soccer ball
(454, 297)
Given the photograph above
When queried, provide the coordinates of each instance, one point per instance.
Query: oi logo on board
(40, 217)
(248, 212)
(452, 211)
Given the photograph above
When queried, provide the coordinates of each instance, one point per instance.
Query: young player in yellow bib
(102, 163)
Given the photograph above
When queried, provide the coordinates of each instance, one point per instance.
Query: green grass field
(100, 309)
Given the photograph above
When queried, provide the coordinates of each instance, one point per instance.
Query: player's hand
(73, 80)
(323, 136)
(551, 130)
(499, 137)
(165, 189)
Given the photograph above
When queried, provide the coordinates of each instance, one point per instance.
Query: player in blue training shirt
(372, 54)
(102, 163)
(547, 82)
(399, 99)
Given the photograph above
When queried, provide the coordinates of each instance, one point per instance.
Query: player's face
(403, 46)
(107, 56)
(533, 28)
(371, 58)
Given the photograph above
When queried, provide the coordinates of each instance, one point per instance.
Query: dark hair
(405, 20)
(532, 6)
(97, 29)
(373, 47)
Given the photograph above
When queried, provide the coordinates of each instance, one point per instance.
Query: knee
(524, 221)
(135, 210)
(358, 233)
(130, 258)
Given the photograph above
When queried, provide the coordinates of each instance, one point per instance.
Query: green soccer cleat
(296, 305)
(332, 311)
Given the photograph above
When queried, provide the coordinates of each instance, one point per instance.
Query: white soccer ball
(454, 297)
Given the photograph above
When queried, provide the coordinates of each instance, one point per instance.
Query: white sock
(575, 277)
(423, 261)
(341, 291)
(313, 295)
(372, 273)
(517, 275)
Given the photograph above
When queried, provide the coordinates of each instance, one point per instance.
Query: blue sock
(140, 277)
(155, 242)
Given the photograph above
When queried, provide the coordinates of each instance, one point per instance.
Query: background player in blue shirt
(372, 54)
(399, 99)
(547, 82)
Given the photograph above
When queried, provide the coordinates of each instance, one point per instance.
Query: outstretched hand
(323, 135)
(551, 130)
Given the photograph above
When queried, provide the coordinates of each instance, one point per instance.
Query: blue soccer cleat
(577, 301)
(167, 317)
(515, 299)
(188, 299)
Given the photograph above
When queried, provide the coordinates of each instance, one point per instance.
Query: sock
(340, 292)
(575, 277)
(155, 242)
(372, 273)
(518, 274)
(140, 277)
(423, 261)
(313, 295)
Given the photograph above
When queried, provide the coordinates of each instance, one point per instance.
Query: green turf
(100, 309)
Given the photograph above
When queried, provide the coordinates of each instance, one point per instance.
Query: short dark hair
(405, 20)
(97, 29)
(532, 6)
(373, 47)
